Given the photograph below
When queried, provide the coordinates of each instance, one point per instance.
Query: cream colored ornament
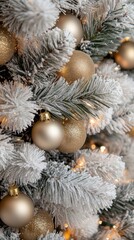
(125, 55)
(80, 66)
(7, 45)
(47, 133)
(16, 208)
(74, 137)
(71, 24)
(40, 224)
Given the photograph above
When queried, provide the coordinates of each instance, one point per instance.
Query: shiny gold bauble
(7, 45)
(80, 66)
(40, 224)
(16, 209)
(47, 135)
(71, 24)
(125, 55)
(74, 137)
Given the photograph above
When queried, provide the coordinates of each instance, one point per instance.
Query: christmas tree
(66, 119)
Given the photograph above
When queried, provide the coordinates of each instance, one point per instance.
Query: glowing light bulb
(93, 146)
(103, 149)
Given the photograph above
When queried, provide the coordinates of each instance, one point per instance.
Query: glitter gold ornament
(71, 24)
(74, 136)
(7, 45)
(125, 55)
(16, 208)
(40, 224)
(47, 134)
(80, 66)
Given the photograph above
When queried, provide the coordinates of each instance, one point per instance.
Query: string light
(68, 233)
(80, 164)
(103, 149)
(93, 146)
(100, 222)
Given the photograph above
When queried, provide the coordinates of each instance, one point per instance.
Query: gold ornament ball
(131, 133)
(71, 24)
(47, 135)
(7, 45)
(40, 224)
(80, 66)
(16, 209)
(125, 55)
(74, 137)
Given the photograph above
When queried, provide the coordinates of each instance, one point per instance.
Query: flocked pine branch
(16, 108)
(124, 228)
(79, 6)
(66, 4)
(103, 31)
(128, 18)
(80, 98)
(43, 56)
(26, 165)
(6, 151)
(57, 48)
(107, 166)
(109, 69)
(52, 236)
(29, 18)
(70, 189)
(122, 120)
(96, 124)
(124, 200)
(125, 192)
(8, 234)
(85, 225)
(128, 159)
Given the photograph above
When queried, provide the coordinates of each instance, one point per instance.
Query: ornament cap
(13, 191)
(45, 116)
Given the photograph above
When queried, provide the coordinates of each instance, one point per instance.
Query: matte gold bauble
(74, 137)
(125, 55)
(16, 209)
(40, 224)
(71, 24)
(80, 66)
(7, 45)
(47, 134)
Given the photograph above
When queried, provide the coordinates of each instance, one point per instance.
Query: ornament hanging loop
(45, 116)
(13, 191)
